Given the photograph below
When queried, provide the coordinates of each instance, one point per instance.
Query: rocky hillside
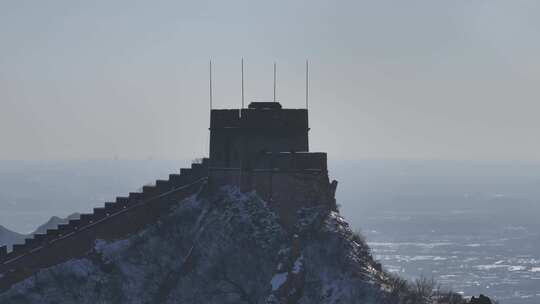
(225, 247)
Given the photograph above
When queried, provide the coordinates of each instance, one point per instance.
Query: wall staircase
(117, 219)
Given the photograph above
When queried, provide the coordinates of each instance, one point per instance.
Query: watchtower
(265, 148)
(239, 138)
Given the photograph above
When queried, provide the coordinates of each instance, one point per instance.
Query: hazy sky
(390, 79)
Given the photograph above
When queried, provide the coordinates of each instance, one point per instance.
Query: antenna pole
(242, 82)
(210, 82)
(210, 99)
(307, 84)
(274, 81)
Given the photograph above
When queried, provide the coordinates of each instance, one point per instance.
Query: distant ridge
(9, 237)
(53, 223)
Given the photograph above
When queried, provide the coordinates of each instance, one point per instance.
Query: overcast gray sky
(390, 79)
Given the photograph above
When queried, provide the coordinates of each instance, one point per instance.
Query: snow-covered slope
(227, 247)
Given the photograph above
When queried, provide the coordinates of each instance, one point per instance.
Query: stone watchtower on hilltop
(266, 148)
(239, 138)
(263, 148)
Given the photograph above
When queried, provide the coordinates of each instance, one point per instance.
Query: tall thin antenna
(242, 82)
(307, 84)
(210, 84)
(210, 116)
(274, 81)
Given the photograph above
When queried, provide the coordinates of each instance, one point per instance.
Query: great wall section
(263, 148)
(114, 220)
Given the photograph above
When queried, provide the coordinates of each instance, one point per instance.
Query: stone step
(3, 252)
(40, 237)
(52, 232)
(201, 169)
(64, 228)
(176, 180)
(163, 186)
(173, 177)
(197, 173)
(99, 213)
(135, 196)
(122, 200)
(149, 190)
(30, 242)
(75, 224)
(186, 171)
(84, 219)
(18, 249)
(113, 207)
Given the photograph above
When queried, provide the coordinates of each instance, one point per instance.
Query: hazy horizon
(389, 80)
(33, 191)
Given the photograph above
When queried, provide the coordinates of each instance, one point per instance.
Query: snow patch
(81, 268)
(490, 267)
(278, 280)
(332, 290)
(297, 267)
(516, 268)
(500, 266)
(109, 250)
